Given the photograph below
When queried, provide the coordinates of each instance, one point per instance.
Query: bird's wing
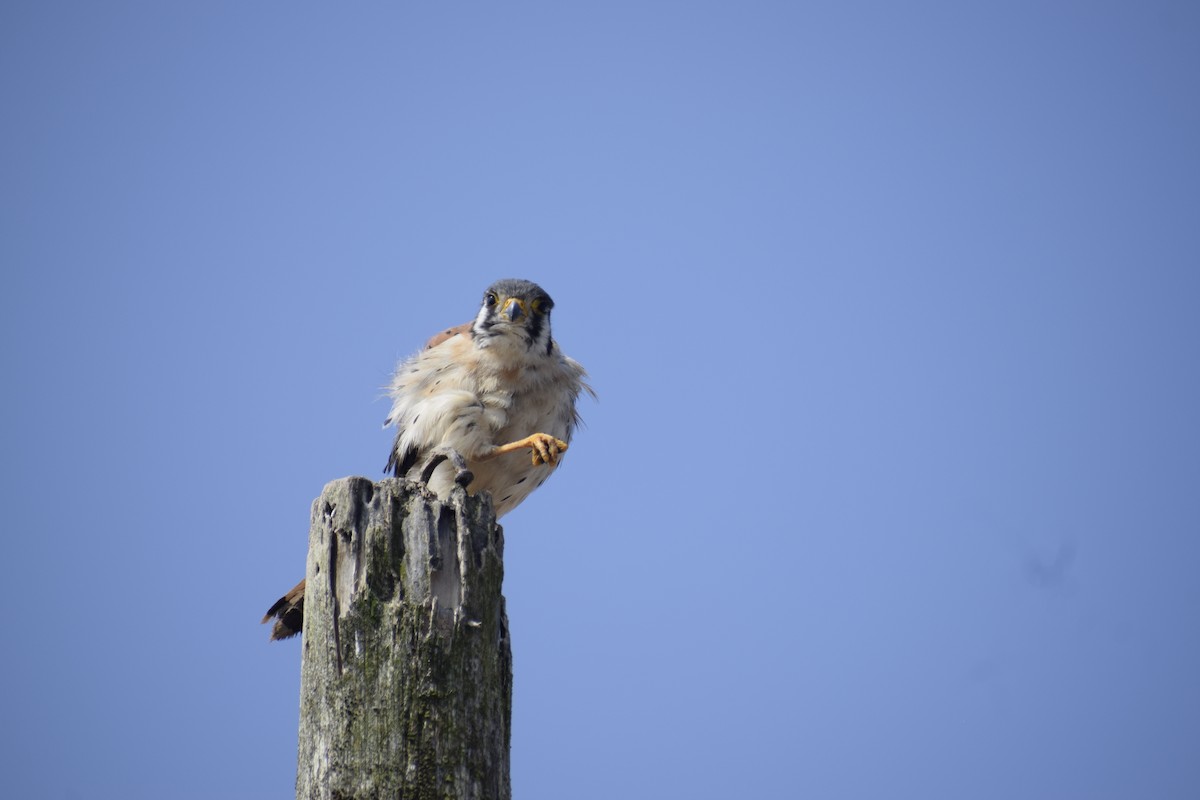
(449, 333)
(402, 459)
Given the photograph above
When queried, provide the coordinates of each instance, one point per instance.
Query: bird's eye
(489, 299)
(539, 306)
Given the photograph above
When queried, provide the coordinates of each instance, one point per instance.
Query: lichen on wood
(406, 683)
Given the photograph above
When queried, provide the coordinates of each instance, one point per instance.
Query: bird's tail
(288, 613)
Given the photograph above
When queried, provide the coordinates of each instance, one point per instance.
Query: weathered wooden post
(406, 683)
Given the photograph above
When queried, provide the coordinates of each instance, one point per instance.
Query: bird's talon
(431, 465)
(545, 449)
(462, 475)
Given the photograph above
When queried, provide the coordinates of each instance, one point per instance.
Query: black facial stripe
(484, 327)
(534, 327)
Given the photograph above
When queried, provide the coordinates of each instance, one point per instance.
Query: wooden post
(406, 683)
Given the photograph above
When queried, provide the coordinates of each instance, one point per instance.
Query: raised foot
(545, 449)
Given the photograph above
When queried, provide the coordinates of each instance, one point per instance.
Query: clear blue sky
(893, 486)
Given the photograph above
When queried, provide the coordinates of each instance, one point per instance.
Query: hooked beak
(513, 309)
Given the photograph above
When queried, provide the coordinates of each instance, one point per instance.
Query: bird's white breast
(474, 398)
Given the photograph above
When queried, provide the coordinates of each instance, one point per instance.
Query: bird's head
(515, 311)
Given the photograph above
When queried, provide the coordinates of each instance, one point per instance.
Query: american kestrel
(488, 405)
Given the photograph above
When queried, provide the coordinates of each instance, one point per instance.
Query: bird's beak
(514, 309)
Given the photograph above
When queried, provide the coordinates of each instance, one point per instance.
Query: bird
(489, 405)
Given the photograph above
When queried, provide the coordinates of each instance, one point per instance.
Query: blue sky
(892, 486)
